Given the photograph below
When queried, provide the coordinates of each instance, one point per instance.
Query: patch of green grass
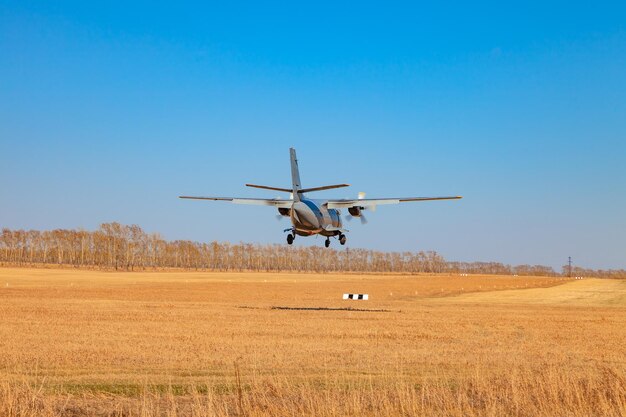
(135, 390)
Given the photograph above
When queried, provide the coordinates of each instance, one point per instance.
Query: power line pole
(569, 266)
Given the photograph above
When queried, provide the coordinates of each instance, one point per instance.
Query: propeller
(279, 216)
(360, 196)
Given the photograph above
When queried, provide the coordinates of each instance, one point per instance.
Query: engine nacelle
(284, 211)
(355, 211)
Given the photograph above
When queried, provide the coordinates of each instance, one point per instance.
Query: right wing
(274, 202)
(372, 202)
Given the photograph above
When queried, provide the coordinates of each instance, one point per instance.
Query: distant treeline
(119, 247)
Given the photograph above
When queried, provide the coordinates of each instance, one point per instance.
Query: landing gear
(342, 239)
(290, 238)
(327, 242)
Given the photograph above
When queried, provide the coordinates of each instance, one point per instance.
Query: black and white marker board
(355, 296)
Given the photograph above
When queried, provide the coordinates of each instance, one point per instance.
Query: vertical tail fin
(295, 175)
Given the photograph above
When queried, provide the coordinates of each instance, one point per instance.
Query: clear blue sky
(109, 110)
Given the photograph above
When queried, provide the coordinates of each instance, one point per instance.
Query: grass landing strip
(86, 343)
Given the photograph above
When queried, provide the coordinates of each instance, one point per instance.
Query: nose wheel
(290, 238)
(327, 242)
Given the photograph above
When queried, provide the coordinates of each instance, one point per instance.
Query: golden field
(86, 343)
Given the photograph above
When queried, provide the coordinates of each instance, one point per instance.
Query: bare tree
(117, 246)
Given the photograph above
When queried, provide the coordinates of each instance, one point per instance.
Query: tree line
(120, 247)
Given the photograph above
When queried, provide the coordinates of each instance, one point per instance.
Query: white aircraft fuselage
(311, 217)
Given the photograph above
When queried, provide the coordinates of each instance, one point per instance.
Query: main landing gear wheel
(289, 239)
(327, 242)
(342, 239)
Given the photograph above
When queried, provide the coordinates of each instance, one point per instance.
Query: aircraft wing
(369, 202)
(274, 202)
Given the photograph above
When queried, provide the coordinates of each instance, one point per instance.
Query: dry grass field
(85, 343)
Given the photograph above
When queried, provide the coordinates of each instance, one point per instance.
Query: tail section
(295, 175)
(297, 191)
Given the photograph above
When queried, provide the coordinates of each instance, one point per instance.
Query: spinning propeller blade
(349, 217)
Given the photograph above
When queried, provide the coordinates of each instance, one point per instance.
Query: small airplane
(311, 217)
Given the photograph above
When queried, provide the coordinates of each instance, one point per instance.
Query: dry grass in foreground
(82, 343)
(520, 392)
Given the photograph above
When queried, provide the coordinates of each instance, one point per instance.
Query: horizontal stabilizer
(302, 190)
(267, 187)
(325, 187)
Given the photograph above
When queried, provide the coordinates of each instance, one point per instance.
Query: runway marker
(356, 296)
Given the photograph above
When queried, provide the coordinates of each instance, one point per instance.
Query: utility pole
(569, 266)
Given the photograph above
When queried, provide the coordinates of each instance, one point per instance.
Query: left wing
(370, 202)
(274, 202)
